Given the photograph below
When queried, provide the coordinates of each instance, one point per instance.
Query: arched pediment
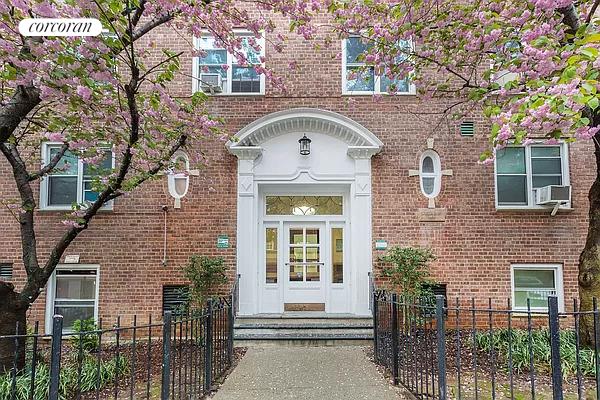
(303, 121)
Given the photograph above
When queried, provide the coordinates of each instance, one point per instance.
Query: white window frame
(196, 87)
(80, 179)
(51, 291)
(436, 174)
(377, 84)
(558, 280)
(564, 153)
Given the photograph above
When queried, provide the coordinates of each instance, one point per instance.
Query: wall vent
(6, 271)
(175, 298)
(467, 128)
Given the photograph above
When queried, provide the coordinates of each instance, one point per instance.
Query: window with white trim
(73, 293)
(536, 282)
(521, 170)
(72, 180)
(219, 72)
(430, 171)
(358, 78)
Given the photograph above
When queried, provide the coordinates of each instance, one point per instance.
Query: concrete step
(304, 323)
(280, 329)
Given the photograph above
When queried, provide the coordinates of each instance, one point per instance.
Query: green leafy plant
(408, 270)
(540, 346)
(204, 273)
(91, 378)
(84, 335)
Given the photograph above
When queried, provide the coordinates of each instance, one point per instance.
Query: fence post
(209, 347)
(57, 326)
(557, 393)
(166, 357)
(231, 331)
(375, 322)
(441, 345)
(395, 338)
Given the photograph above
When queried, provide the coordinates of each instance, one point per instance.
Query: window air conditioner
(553, 195)
(211, 83)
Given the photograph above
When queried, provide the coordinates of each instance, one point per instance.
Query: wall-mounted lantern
(179, 182)
(304, 145)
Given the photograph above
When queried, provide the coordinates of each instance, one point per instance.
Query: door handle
(305, 263)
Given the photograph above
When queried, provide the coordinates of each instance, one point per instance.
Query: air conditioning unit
(211, 83)
(503, 77)
(552, 194)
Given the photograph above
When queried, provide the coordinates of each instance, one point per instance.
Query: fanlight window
(305, 205)
(179, 177)
(430, 173)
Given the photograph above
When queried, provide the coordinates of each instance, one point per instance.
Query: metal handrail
(235, 294)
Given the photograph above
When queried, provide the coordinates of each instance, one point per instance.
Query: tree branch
(52, 164)
(28, 239)
(592, 11)
(570, 17)
(22, 102)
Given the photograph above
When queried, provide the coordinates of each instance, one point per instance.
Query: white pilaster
(360, 227)
(246, 229)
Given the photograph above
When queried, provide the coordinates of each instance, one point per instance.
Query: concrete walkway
(306, 373)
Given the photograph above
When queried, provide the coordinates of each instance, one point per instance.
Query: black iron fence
(476, 350)
(178, 357)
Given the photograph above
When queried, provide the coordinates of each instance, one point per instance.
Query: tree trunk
(589, 260)
(12, 313)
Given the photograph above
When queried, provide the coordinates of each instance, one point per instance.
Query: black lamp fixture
(304, 145)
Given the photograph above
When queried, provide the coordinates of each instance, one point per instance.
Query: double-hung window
(220, 72)
(522, 170)
(72, 180)
(536, 282)
(360, 78)
(73, 293)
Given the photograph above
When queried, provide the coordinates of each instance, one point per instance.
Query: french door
(305, 272)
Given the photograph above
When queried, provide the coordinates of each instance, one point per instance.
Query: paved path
(306, 373)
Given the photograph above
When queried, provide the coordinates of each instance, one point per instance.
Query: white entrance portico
(304, 221)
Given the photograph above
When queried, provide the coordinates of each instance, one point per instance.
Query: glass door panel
(305, 255)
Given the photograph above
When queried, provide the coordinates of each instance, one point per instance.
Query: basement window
(73, 293)
(536, 282)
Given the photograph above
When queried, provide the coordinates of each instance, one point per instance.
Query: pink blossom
(84, 92)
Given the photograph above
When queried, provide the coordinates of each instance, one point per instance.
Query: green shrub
(408, 269)
(203, 273)
(90, 379)
(540, 345)
(82, 336)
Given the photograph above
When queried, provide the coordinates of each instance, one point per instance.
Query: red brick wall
(475, 245)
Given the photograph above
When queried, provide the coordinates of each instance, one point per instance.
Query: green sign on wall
(222, 242)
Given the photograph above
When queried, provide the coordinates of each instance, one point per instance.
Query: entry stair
(303, 329)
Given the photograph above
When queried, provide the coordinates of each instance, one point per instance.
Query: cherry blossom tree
(110, 91)
(531, 66)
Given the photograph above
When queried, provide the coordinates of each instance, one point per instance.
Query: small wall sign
(72, 259)
(381, 245)
(222, 242)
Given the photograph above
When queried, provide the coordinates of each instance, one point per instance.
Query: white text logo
(60, 27)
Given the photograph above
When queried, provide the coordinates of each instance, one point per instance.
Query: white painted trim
(227, 92)
(558, 279)
(436, 175)
(308, 177)
(51, 291)
(531, 206)
(412, 91)
(306, 120)
(44, 182)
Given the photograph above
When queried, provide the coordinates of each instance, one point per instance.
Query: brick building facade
(374, 166)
